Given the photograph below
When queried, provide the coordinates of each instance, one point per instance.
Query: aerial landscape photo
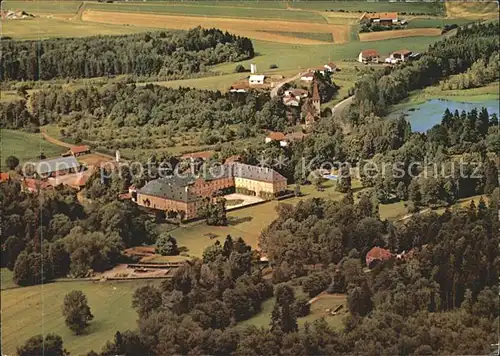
(249, 177)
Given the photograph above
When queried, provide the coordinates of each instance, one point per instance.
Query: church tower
(316, 100)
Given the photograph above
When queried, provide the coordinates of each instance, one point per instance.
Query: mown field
(430, 8)
(43, 7)
(225, 10)
(318, 310)
(28, 311)
(436, 22)
(25, 146)
(43, 28)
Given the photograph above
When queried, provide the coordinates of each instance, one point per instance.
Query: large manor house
(184, 195)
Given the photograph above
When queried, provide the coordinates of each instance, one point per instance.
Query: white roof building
(256, 79)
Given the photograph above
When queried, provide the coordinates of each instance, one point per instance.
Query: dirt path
(55, 141)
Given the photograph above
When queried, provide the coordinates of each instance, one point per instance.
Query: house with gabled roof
(369, 56)
(382, 18)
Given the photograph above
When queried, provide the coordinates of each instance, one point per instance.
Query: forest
(453, 55)
(164, 54)
(130, 116)
(441, 297)
(63, 239)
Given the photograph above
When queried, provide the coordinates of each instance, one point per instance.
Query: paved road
(341, 107)
(274, 91)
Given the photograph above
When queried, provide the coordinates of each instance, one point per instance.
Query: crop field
(244, 27)
(473, 10)
(436, 22)
(27, 311)
(378, 6)
(43, 28)
(26, 146)
(210, 11)
(324, 37)
(388, 35)
(43, 7)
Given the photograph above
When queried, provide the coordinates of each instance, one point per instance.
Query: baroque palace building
(184, 195)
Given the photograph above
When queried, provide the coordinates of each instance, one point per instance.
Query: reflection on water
(424, 116)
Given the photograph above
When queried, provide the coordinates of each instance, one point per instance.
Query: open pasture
(436, 22)
(244, 27)
(43, 28)
(472, 10)
(25, 146)
(225, 10)
(43, 7)
(27, 311)
(430, 8)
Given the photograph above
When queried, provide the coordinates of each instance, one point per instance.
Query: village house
(368, 56)
(276, 136)
(307, 77)
(377, 255)
(54, 167)
(381, 18)
(201, 155)
(297, 93)
(4, 177)
(239, 88)
(184, 196)
(78, 150)
(332, 67)
(284, 139)
(257, 79)
(32, 185)
(399, 56)
(291, 101)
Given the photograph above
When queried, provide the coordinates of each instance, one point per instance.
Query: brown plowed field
(242, 27)
(387, 35)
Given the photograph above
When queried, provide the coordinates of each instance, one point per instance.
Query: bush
(273, 66)
(239, 69)
(166, 245)
(302, 307)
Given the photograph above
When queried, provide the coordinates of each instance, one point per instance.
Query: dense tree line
(480, 73)
(453, 55)
(439, 299)
(50, 235)
(129, 116)
(168, 54)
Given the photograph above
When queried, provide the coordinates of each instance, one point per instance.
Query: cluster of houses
(381, 18)
(369, 56)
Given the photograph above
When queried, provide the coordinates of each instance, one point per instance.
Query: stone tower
(316, 100)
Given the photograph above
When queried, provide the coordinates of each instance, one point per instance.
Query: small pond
(424, 116)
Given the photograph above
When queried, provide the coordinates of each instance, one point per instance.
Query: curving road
(274, 91)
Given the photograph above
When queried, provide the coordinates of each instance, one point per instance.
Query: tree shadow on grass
(235, 221)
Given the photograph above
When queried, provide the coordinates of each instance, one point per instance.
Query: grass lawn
(43, 28)
(25, 146)
(247, 223)
(28, 311)
(318, 310)
(213, 10)
(392, 211)
(6, 279)
(300, 57)
(377, 6)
